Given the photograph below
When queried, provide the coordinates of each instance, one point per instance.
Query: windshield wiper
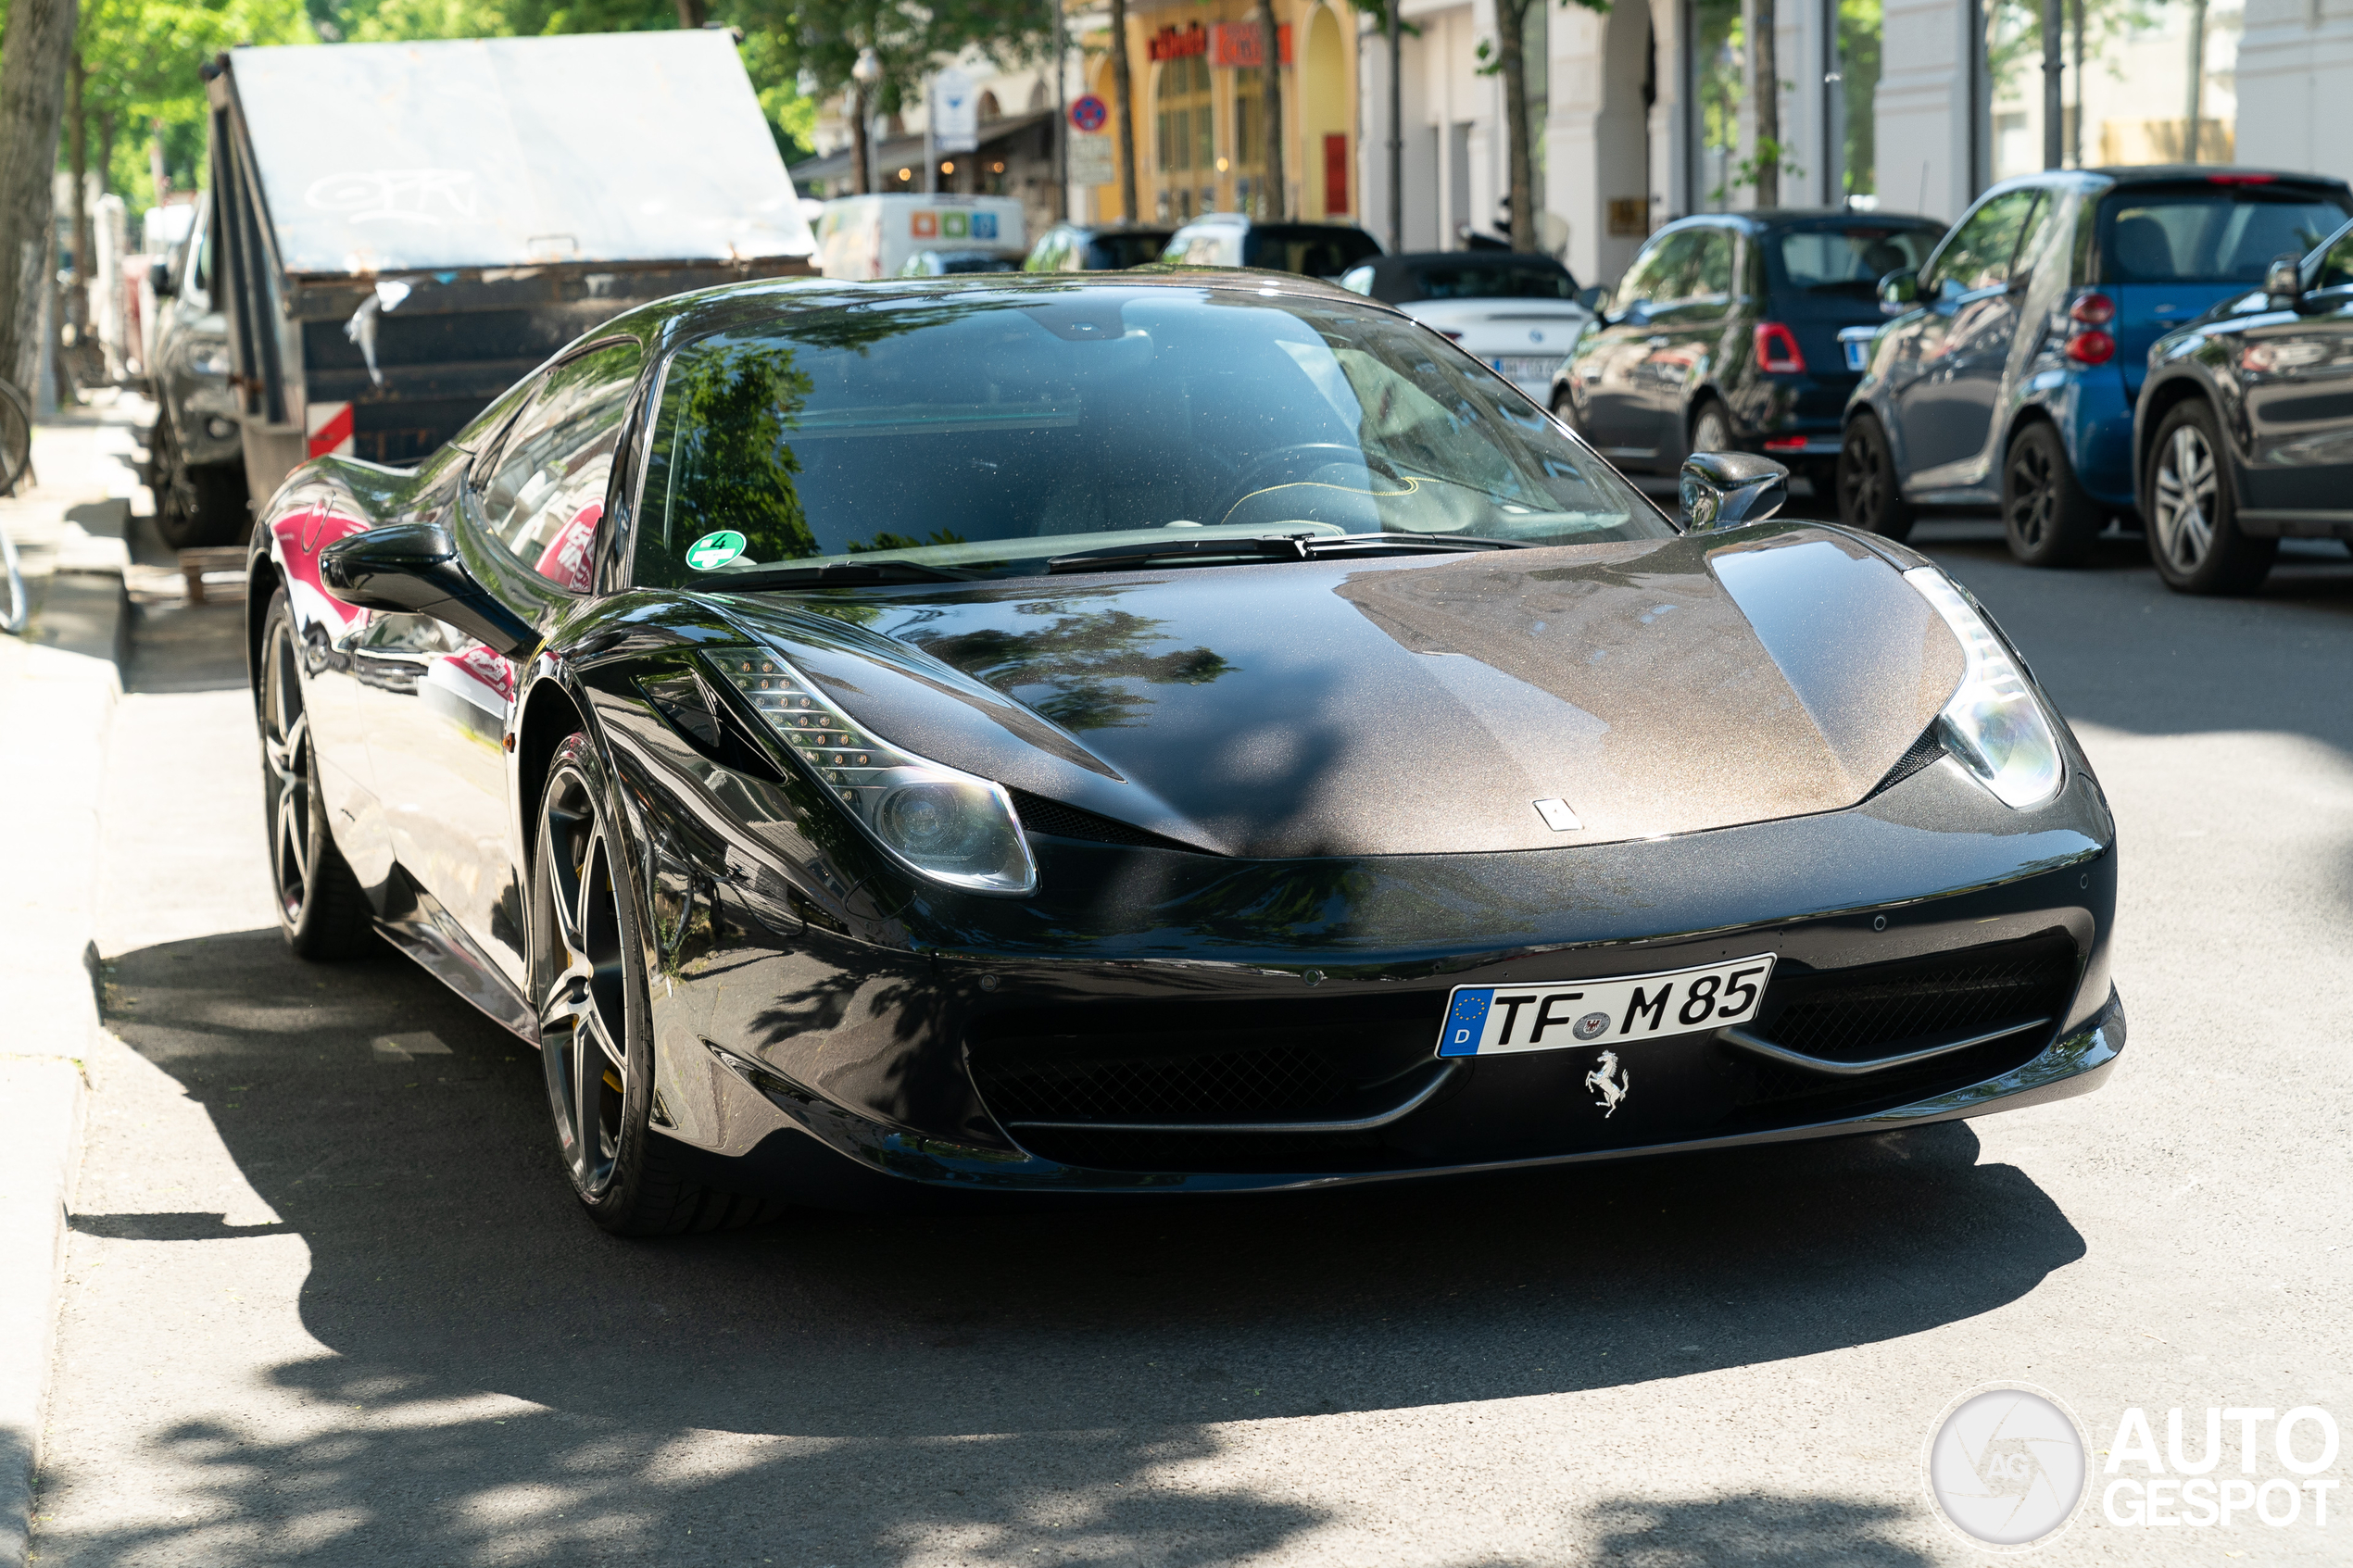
(1276, 547)
(828, 574)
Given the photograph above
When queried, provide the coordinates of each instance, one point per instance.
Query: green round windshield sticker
(714, 550)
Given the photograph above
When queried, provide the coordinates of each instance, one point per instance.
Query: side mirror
(1725, 489)
(2284, 280)
(1899, 292)
(1593, 296)
(159, 280)
(413, 567)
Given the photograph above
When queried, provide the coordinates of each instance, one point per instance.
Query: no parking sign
(1089, 112)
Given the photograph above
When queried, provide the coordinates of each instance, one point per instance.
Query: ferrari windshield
(989, 430)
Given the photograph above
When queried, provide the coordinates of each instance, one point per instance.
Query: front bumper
(818, 1153)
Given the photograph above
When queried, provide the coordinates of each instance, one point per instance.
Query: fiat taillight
(1776, 351)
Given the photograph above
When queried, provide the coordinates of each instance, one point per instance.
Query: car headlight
(1993, 723)
(941, 823)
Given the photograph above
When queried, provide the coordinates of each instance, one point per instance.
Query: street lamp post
(864, 74)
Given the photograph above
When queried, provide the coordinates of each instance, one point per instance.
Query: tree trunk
(1769, 108)
(1511, 33)
(1120, 85)
(1271, 79)
(692, 13)
(38, 47)
(78, 161)
(105, 153)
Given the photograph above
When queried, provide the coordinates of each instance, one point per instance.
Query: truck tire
(2049, 519)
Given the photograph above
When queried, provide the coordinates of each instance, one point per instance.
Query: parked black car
(2242, 435)
(1095, 247)
(1723, 337)
(2010, 372)
(195, 456)
(1301, 761)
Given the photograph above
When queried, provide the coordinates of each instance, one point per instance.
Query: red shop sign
(1175, 43)
(1236, 46)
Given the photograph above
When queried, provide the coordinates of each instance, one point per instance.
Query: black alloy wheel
(2048, 518)
(587, 975)
(1869, 496)
(1711, 428)
(321, 908)
(2193, 536)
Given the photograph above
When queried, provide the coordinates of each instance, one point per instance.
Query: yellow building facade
(1201, 143)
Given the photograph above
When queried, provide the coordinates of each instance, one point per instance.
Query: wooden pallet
(214, 575)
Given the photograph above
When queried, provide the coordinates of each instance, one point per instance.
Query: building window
(1854, 101)
(2152, 82)
(1719, 70)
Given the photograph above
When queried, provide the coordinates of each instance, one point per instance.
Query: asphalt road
(328, 1306)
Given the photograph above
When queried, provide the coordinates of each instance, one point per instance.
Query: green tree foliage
(727, 410)
(140, 58)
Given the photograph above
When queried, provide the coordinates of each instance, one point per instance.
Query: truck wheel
(1869, 496)
(2193, 534)
(321, 908)
(588, 980)
(2049, 519)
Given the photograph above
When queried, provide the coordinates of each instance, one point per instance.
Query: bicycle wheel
(16, 437)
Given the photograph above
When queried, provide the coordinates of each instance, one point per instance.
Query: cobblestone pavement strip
(331, 1305)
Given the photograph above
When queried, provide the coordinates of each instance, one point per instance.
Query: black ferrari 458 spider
(1147, 735)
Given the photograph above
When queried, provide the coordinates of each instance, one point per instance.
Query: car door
(1691, 325)
(1612, 371)
(525, 519)
(2296, 370)
(1955, 356)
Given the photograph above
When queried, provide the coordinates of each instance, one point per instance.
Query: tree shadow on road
(1752, 1527)
(948, 1376)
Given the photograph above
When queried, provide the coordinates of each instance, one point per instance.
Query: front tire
(2194, 535)
(1869, 496)
(587, 977)
(2049, 519)
(321, 911)
(1711, 428)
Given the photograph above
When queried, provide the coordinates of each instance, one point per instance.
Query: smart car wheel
(1870, 498)
(1711, 430)
(588, 980)
(2193, 536)
(321, 907)
(2049, 519)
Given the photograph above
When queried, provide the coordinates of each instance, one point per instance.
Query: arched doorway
(1326, 175)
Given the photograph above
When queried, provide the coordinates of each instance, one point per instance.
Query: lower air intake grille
(1855, 1015)
(1199, 1063)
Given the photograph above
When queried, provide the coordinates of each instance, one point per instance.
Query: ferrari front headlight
(1993, 723)
(941, 823)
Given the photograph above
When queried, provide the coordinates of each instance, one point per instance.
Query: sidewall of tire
(2234, 563)
(1895, 518)
(333, 923)
(2075, 518)
(619, 1208)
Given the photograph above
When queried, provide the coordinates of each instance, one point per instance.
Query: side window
(1656, 273)
(1980, 253)
(1710, 277)
(542, 493)
(2337, 267)
(2037, 231)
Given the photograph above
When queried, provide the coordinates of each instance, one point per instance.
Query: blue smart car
(2009, 372)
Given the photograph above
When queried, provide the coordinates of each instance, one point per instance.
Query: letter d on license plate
(1558, 1015)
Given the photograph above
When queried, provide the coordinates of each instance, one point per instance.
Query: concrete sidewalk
(58, 686)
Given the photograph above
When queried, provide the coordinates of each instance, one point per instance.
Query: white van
(873, 236)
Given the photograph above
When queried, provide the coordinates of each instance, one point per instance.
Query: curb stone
(59, 685)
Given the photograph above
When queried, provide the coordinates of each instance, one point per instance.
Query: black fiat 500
(1150, 734)
(1723, 336)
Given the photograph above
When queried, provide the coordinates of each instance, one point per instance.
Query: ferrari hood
(1417, 705)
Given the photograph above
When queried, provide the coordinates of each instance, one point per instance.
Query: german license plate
(1564, 1014)
(1521, 366)
(1858, 350)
